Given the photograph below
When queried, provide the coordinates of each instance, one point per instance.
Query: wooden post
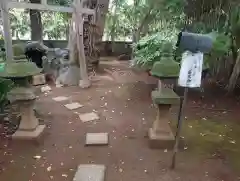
(84, 80)
(6, 31)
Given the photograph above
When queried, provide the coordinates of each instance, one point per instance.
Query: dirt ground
(121, 98)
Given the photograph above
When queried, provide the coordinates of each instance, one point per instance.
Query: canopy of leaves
(151, 49)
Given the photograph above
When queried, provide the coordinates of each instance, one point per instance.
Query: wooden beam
(41, 7)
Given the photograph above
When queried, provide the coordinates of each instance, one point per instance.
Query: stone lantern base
(29, 127)
(160, 135)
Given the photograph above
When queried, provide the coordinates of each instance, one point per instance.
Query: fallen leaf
(37, 157)
(49, 168)
(232, 141)
(64, 175)
(120, 170)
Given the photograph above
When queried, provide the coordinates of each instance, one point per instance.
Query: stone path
(125, 113)
(87, 172)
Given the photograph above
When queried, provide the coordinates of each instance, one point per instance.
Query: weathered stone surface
(29, 134)
(160, 135)
(60, 98)
(88, 117)
(88, 172)
(46, 88)
(166, 96)
(166, 67)
(22, 68)
(29, 127)
(74, 105)
(39, 79)
(96, 139)
(21, 94)
(161, 140)
(70, 76)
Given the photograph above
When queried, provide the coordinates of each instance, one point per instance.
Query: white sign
(191, 70)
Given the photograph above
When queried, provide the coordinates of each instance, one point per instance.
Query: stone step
(96, 139)
(89, 172)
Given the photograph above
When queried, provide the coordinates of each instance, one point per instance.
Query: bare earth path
(123, 103)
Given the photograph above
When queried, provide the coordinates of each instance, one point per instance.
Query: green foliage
(55, 25)
(5, 86)
(221, 48)
(2, 56)
(151, 49)
(20, 23)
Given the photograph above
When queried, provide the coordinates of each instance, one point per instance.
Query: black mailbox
(194, 42)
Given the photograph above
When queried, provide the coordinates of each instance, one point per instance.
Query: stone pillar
(29, 127)
(160, 135)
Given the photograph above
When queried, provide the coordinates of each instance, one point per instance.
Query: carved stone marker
(167, 70)
(160, 134)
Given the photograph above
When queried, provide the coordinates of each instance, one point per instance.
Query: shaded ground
(122, 100)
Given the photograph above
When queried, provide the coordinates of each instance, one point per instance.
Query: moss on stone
(166, 68)
(166, 96)
(18, 50)
(21, 68)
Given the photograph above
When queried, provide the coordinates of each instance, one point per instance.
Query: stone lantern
(23, 95)
(167, 70)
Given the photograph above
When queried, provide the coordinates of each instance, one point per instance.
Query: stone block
(89, 172)
(60, 98)
(166, 96)
(74, 105)
(39, 79)
(161, 140)
(88, 117)
(29, 134)
(95, 139)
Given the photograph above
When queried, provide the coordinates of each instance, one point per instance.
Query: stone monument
(160, 135)
(23, 95)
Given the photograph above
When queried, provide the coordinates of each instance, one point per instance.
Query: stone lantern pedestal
(160, 135)
(167, 70)
(29, 127)
(21, 73)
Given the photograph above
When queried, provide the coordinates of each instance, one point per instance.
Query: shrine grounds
(121, 98)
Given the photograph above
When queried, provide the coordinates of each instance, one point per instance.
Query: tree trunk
(101, 15)
(17, 35)
(234, 76)
(114, 26)
(36, 23)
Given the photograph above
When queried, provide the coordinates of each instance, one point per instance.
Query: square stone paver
(60, 98)
(88, 117)
(95, 139)
(74, 105)
(89, 172)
